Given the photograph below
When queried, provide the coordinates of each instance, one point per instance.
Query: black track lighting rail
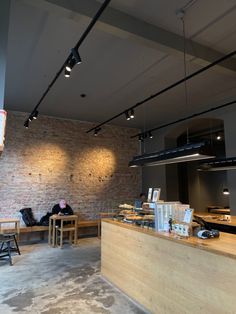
(75, 49)
(143, 135)
(231, 54)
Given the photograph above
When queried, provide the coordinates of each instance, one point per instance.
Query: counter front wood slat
(167, 275)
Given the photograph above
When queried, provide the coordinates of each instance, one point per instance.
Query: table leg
(99, 229)
(17, 227)
(53, 232)
(61, 238)
(76, 232)
(50, 232)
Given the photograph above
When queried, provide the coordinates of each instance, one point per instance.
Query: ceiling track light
(26, 124)
(35, 114)
(127, 116)
(31, 117)
(67, 73)
(96, 131)
(71, 63)
(132, 113)
(166, 89)
(188, 152)
(76, 55)
(140, 138)
(150, 134)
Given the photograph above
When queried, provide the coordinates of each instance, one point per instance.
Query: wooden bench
(42, 229)
(91, 223)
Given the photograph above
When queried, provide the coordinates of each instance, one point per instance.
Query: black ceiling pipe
(82, 38)
(167, 88)
(185, 118)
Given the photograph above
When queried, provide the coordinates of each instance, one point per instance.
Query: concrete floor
(55, 281)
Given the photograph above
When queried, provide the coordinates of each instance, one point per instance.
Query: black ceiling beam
(82, 38)
(185, 118)
(167, 88)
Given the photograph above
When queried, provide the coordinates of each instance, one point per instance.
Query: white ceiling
(120, 67)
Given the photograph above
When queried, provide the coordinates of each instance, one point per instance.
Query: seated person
(62, 209)
(139, 202)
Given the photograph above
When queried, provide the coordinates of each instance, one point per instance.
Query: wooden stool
(12, 237)
(7, 251)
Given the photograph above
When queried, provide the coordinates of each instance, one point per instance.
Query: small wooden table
(52, 228)
(10, 220)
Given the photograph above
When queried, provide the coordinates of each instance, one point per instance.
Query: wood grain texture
(215, 218)
(165, 275)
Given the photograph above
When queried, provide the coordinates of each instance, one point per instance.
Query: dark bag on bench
(44, 221)
(28, 217)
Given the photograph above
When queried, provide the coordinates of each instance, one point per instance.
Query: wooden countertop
(217, 219)
(224, 245)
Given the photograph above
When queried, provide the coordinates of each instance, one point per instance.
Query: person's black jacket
(66, 211)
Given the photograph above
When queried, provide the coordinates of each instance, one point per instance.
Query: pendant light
(188, 152)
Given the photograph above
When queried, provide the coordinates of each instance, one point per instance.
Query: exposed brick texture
(56, 158)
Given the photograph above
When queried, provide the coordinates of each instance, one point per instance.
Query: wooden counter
(217, 219)
(167, 275)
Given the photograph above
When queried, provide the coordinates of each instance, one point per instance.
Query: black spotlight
(31, 117)
(26, 124)
(35, 114)
(76, 55)
(67, 73)
(140, 138)
(127, 116)
(150, 135)
(96, 131)
(132, 113)
(71, 63)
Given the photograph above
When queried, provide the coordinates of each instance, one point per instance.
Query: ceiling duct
(188, 152)
(219, 164)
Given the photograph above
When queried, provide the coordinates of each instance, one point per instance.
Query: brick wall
(56, 158)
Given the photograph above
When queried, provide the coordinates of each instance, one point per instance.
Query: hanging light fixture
(226, 191)
(219, 164)
(188, 152)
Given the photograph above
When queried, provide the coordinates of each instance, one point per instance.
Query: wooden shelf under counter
(169, 275)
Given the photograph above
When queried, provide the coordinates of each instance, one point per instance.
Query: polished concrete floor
(57, 281)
